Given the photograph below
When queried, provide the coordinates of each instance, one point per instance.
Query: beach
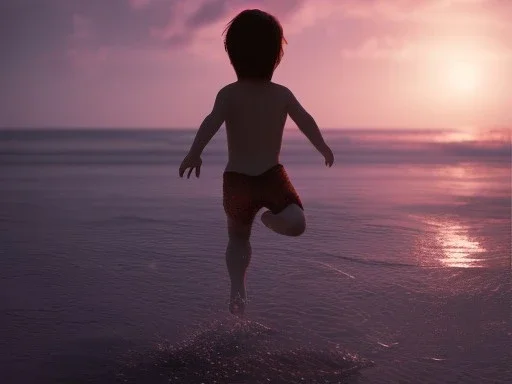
(109, 261)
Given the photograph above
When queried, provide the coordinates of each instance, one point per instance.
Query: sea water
(112, 267)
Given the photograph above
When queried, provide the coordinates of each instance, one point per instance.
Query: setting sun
(463, 76)
(460, 68)
(458, 80)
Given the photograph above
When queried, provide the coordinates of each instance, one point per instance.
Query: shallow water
(114, 270)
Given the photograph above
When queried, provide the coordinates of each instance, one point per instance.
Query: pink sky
(352, 63)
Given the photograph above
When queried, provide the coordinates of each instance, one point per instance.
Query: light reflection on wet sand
(455, 245)
(450, 238)
(461, 179)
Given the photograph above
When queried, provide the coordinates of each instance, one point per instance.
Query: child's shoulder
(281, 91)
(238, 87)
(280, 88)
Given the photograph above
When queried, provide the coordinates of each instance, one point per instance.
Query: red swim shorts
(245, 195)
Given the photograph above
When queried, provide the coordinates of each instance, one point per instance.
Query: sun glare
(459, 70)
(463, 76)
(455, 136)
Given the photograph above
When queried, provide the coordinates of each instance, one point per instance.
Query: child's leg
(280, 196)
(238, 256)
(289, 222)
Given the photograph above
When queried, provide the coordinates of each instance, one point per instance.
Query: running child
(254, 110)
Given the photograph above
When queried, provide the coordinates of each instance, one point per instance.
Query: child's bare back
(254, 110)
(254, 116)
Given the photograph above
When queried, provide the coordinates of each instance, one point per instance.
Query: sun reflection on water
(457, 248)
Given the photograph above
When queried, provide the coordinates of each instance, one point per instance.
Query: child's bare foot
(237, 305)
(238, 298)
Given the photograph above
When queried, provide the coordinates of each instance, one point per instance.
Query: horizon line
(167, 128)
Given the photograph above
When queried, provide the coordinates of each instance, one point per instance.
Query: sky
(351, 63)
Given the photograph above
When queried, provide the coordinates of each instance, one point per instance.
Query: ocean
(112, 268)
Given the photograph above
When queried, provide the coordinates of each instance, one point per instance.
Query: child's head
(254, 43)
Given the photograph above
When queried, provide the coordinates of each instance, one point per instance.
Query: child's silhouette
(254, 110)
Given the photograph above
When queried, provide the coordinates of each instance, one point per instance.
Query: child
(254, 110)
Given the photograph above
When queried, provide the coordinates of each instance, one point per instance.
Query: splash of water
(249, 352)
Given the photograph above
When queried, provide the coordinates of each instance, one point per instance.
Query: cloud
(207, 13)
(139, 4)
(436, 29)
(496, 12)
(88, 60)
(82, 28)
(196, 25)
(403, 48)
(200, 22)
(380, 48)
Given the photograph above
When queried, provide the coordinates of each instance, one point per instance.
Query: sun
(458, 70)
(463, 76)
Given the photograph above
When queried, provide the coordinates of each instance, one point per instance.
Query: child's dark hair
(254, 43)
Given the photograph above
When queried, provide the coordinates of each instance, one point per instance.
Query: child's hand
(191, 162)
(328, 155)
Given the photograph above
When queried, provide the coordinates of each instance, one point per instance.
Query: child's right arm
(308, 126)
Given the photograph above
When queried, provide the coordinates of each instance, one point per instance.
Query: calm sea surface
(112, 267)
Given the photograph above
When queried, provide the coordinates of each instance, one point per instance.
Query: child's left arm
(208, 128)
